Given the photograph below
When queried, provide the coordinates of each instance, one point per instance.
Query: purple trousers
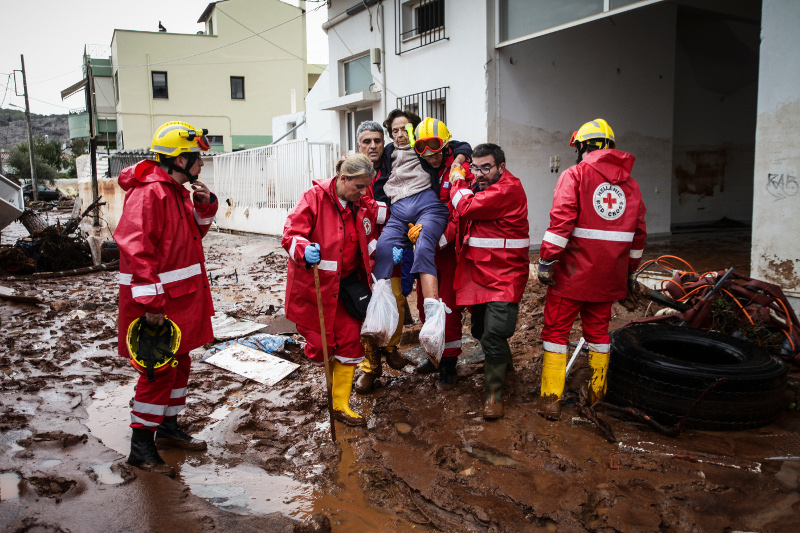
(423, 208)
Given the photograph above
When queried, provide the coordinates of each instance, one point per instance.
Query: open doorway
(716, 89)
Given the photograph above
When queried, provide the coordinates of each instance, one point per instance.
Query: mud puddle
(246, 488)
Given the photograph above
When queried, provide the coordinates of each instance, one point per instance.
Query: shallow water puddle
(9, 486)
(403, 428)
(109, 415)
(247, 488)
(105, 475)
(48, 463)
(8, 440)
(495, 459)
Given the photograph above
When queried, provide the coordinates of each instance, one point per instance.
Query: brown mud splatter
(426, 461)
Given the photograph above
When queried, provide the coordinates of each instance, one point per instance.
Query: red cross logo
(610, 201)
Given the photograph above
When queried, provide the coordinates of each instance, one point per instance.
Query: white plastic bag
(431, 336)
(382, 315)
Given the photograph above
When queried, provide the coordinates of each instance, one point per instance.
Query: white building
(700, 91)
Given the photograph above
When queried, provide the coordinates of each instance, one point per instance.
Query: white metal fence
(272, 177)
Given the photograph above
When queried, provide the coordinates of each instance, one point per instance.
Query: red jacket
(316, 218)
(597, 230)
(450, 231)
(492, 241)
(162, 266)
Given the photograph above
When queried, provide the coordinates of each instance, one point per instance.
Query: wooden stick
(328, 372)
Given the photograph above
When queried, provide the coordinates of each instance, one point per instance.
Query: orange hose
(691, 268)
(740, 306)
(788, 316)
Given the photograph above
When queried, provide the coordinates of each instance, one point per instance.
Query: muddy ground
(426, 461)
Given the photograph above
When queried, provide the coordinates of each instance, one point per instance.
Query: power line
(224, 45)
(262, 37)
(6, 91)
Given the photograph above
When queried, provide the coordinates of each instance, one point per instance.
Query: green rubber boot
(494, 376)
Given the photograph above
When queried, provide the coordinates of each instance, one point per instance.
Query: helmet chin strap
(191, 159)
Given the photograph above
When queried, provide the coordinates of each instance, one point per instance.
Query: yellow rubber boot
(342, 387)
(397, 290)
(372, 359)
(554, 373)
(597, 386)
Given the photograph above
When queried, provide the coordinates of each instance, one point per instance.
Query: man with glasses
(492, 245)
(595, 239)
(434, 145)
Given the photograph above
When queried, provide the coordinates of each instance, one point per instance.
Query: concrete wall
(549, 86)
(199, 86)
(776, 204)
(457, 62)
(112, 193)
(716, 83)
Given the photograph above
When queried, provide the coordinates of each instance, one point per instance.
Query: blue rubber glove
(312, 253)
(397, 254)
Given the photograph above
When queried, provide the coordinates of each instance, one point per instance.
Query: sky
(52, 34)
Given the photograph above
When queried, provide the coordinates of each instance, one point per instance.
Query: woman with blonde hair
(334, 225)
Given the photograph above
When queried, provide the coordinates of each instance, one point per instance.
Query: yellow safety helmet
(153, 348)
(432, 135)
(597, 133)
(174, 138)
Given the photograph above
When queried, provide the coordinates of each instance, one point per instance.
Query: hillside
(14, 130)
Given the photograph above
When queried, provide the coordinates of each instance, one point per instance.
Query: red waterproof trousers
(446, 272)
(166, 396)
(559, 315)
(344, 344)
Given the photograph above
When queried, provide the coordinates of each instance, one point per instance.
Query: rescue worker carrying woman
(163, 281)
(334, 225)
(595, 241)
(433, 145)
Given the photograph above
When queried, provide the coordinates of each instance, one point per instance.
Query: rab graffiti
(782, 185)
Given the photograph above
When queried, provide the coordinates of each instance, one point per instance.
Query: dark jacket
(454, 147)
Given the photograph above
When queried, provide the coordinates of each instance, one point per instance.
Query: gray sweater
(408, 177)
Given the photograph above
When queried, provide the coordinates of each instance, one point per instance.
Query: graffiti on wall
(781, 185)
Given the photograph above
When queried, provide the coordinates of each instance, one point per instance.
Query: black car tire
(662, 370)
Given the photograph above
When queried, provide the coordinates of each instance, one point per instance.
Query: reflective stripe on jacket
(316, 218)
(492, 241)
(597, 229)
(162, 265)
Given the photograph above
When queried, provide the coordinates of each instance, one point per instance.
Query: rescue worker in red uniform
(162, 274)
(433, 145)
(370, 143)
(333, 225)
(595, 240)
(493, 266)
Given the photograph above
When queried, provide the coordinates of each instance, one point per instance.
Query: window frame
(153, 84)
(345, 62)
(233, 97)
(407, 28)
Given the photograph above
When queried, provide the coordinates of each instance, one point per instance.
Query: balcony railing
(418, 24)
(431, 103)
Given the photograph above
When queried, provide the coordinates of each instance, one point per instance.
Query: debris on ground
(427, 460)
(731, 303)
(253, 364)
(48, 248)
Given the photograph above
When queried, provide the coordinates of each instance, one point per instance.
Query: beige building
(246, 67)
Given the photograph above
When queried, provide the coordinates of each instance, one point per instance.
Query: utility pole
(34, 184)
(92, 137)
